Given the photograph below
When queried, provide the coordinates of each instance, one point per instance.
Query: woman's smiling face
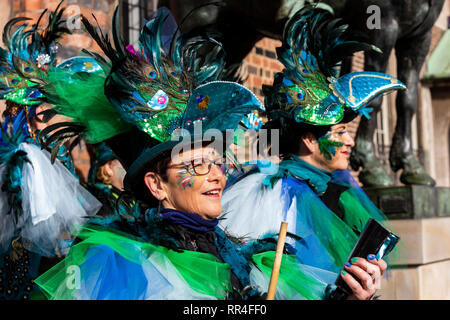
(195, 182)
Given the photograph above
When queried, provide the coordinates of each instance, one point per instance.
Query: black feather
(316, 31)
(47, 115)
(6, 38)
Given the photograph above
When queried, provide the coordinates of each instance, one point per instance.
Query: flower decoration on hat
(29, 53)
(309, 90)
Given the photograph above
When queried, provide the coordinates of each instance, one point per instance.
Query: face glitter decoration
(186, 179)
(328, 147)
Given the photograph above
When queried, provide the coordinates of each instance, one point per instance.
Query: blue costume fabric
(112, 263)
(120, 269)
(257, 203)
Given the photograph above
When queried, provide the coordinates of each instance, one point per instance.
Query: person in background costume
(320, 200)
(105, 179)
(39, 202)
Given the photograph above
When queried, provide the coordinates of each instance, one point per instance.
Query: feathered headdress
(165, 86)
(75, 88)
(12, 160)
(309, 90)
(29, 52)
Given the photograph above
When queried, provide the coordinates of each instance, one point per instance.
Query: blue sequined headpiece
(309, 90)
(164, 86)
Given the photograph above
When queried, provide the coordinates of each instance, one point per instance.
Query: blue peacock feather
(12, 159)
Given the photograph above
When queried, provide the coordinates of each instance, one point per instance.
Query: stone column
(426, 136)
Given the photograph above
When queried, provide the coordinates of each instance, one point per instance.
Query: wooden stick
(277, 261)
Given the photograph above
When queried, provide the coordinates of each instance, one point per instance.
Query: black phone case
(374, 239)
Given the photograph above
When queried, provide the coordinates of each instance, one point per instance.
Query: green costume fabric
(202, 271)
(293, 279)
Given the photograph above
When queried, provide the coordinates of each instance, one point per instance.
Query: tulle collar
(295, 167)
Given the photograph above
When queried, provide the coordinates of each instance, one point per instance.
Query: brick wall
(261, 65)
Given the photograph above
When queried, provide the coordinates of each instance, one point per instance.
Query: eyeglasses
(201, 167)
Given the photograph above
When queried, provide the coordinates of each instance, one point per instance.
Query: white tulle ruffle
(53, 204)
(249, 201)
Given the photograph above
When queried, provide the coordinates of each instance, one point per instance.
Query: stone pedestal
(411, 202)
(421, 217)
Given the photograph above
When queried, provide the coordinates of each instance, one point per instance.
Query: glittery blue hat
(74, 88)
(309, 90)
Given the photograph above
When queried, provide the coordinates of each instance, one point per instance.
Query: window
(382, 141)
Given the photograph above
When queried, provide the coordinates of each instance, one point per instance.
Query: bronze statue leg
(411, 54)
(373, 172)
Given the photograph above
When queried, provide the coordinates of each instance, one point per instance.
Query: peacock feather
(12, 159)
(75, 88)
(152, 86)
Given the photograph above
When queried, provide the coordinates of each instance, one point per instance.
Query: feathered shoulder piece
(29, 51)
(165, 83)
(12, 159)
(308, 89)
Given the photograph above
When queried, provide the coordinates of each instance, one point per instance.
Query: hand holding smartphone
(374, 239)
